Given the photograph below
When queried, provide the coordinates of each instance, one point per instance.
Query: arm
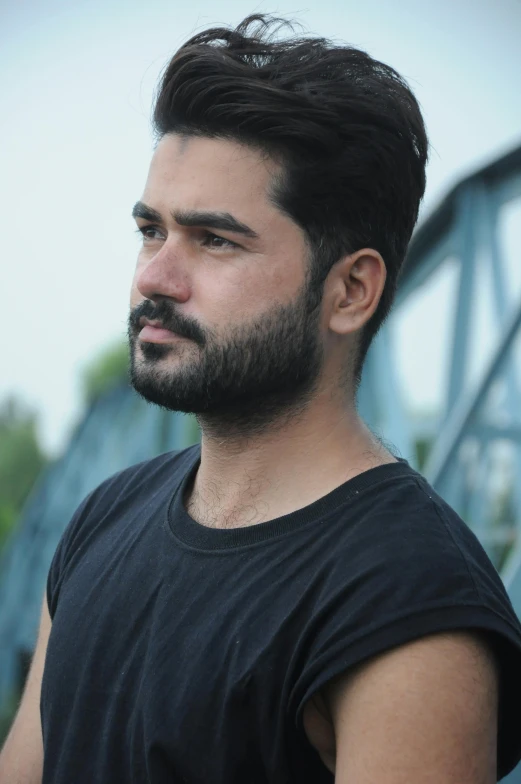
(424, 712)
(21, 759)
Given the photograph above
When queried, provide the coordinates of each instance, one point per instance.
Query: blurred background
(442, 380)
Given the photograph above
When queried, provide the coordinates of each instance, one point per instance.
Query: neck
(245, 479)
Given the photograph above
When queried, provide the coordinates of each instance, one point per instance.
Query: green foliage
(109, 369)
(423, 448)
(193, 431)
(504, 516)
(8, 516)
(7, 714)
(21, 461)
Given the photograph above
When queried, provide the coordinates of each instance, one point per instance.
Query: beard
(253, 375)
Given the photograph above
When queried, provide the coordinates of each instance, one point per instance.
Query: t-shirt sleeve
(129, 485)
(65, 548)
(408, 576)
(87, 517)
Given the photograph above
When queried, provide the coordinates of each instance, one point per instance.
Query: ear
(354, 287)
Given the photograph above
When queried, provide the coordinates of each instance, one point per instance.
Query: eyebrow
(141, 210)
(222, 221)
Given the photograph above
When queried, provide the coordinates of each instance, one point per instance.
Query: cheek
(235, 298)
(267, 284)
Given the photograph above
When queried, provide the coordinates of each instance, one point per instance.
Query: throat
(273, 477)
(208, 509)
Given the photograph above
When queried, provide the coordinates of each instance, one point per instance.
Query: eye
(214, 241)
(149, 233)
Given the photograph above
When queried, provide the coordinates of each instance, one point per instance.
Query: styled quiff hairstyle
(346, 129)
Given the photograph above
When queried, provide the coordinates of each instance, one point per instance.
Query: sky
(75, 143)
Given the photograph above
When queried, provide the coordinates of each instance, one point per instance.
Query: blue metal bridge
(472, 444)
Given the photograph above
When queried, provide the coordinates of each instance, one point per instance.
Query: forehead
(202, 173)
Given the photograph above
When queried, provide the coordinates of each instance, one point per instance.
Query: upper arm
(422, 712)
(21, 760)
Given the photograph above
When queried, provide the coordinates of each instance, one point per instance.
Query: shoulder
(140, 481)
(137, 487)
(409, 565)
(400, 537)
(145, 477)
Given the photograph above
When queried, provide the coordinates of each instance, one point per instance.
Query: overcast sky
(75, 143)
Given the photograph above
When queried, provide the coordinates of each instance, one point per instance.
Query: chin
(154, 352)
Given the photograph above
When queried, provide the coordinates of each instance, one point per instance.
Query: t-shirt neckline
(202, 537)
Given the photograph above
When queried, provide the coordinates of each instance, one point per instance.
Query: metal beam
(466, 239)
(464, 412)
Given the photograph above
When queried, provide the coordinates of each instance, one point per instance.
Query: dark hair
(346, 128)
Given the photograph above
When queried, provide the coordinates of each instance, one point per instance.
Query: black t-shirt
(181, 653)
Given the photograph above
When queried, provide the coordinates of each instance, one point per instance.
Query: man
(288, 602)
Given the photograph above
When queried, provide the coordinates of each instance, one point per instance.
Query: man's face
(222, 276)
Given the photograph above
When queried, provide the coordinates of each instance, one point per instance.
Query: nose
(162, 274)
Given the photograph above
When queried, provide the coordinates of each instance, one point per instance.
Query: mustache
(164, 312)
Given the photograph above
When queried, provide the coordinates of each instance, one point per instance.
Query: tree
(105, 371)
(21, 460)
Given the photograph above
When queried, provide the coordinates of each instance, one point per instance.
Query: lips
(154, 332)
